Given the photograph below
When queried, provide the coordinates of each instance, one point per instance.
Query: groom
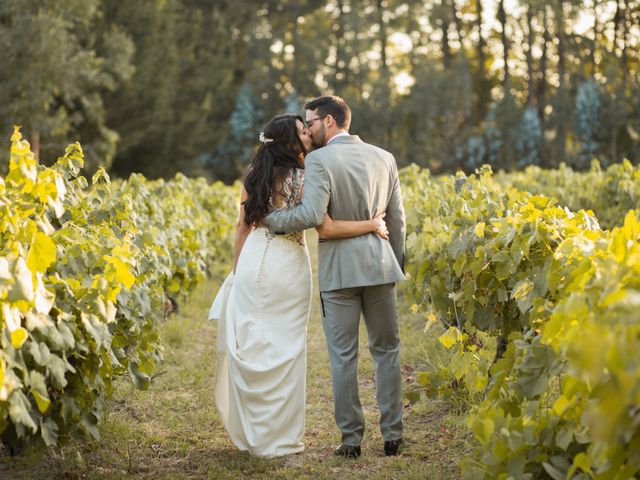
(352, 180)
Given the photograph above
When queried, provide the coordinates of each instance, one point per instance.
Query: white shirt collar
(341, 134)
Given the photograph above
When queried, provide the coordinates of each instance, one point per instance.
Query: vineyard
(542, 309)
(531, 279)
(87, 272)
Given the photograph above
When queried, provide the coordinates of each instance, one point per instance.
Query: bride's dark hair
(271, 163)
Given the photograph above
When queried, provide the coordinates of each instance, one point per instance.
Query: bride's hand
(380, 226)
(324, 228)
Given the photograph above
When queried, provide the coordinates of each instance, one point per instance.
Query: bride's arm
(242, 231)
(331, 229)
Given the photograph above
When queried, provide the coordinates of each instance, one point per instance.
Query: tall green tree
(60, 58)
(158, 83)
(190, 61)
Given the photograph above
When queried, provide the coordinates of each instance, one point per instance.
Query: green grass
(172, 431)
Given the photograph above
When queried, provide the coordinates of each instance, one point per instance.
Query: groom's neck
(337, 131)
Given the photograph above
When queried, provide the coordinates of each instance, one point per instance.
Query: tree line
(160, 86)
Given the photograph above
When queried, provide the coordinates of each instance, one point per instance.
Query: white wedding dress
(261, 364)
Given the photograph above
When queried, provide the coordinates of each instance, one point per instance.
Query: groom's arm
(395, 218)
(315, 199)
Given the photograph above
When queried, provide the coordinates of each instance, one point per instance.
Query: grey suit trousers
(341, 311)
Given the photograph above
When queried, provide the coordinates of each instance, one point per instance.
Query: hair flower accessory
(264, 139)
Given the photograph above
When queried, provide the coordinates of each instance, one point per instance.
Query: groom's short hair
(334, 106)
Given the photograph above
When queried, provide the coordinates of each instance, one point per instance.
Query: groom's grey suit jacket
(351, 180)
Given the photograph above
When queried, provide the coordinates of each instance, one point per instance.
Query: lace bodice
(287, 194)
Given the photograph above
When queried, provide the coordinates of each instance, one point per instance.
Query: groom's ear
(331, 119)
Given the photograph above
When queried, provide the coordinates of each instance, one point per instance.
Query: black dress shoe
(392, 447)
(348, 451)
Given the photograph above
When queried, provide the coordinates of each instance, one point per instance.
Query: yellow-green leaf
(479, 230)
(483, 429)
(174, 285)
(614, 297)
(122, 251)
(450, 337)
(580, 461)
(480, 383)
(18, 337)
(122, 272)
(2, 366)
(561, 404)
(42, 402)
(42, 253)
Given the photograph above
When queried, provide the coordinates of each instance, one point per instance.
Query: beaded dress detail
(287, 194)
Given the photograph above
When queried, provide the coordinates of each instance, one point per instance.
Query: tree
(236, 150)
(158, 82)
(482, 84)
(561, 99)
(191, 60)
(529, 52)
(588, 122)
(441, 19)
(502, 18)
(57, 69)
(529, 138)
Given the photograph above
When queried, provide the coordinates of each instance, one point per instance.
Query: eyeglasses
(311, 120)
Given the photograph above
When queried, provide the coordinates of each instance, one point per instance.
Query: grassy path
(172, 431)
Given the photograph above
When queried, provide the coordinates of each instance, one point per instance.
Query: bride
(263, 305)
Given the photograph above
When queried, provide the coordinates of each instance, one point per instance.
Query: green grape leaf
(413, 396)
(564, 436)
(22, 289)
(19, 410)
(49, 432)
